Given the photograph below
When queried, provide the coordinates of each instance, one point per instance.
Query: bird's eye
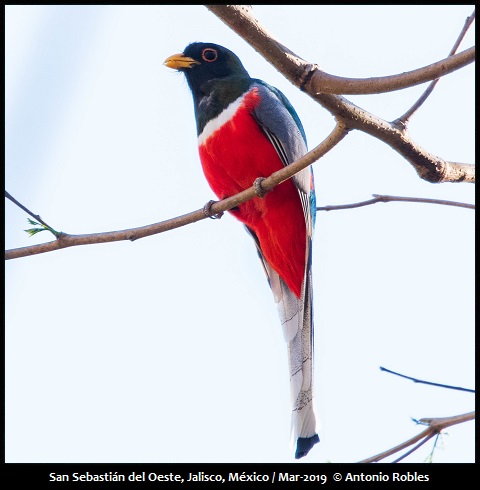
(209, 54)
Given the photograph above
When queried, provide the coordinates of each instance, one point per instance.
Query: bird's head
(202, 62)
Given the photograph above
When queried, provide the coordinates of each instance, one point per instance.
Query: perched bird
(248, 129)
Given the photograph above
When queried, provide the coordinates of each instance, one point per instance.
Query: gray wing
(280, 123)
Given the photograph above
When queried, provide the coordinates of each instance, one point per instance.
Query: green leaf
(41, 227)
(34, 231)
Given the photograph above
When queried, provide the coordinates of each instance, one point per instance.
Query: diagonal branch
(414, 448)
(64, 240)
(431, 383)
(241, 20)
(428, 166)
(435, 426)
(36, 216)
(403, 120)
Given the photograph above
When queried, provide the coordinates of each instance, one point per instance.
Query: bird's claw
(207, 211)
(259, 190)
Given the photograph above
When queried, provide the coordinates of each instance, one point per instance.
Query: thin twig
(416, 380)
(384, 198)
(414, 448)
(402, 121)
(36, 216)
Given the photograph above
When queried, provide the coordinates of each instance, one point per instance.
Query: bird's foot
(259, 190)
(207, 211)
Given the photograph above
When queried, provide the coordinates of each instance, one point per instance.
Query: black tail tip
(304, 444)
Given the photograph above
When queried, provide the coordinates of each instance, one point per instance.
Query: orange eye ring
(209, 55)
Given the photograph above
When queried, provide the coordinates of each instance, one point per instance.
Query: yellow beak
(180, 61)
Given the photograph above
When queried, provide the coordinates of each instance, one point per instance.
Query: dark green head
(202, 62)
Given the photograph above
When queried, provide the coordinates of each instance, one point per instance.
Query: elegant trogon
(248, 129)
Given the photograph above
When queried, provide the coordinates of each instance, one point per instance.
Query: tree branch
(241, 20)
(64, 240)
(403, 120)
(435, 426)
(414, 448)
(322, 82)
(428, 166)
(416, 380)
(384, 198)
(132, 234)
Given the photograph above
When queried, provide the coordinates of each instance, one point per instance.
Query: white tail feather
(296, 319)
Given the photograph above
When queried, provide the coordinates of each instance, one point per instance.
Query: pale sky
(169, 349)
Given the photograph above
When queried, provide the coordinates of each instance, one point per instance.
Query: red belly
(232, 158)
